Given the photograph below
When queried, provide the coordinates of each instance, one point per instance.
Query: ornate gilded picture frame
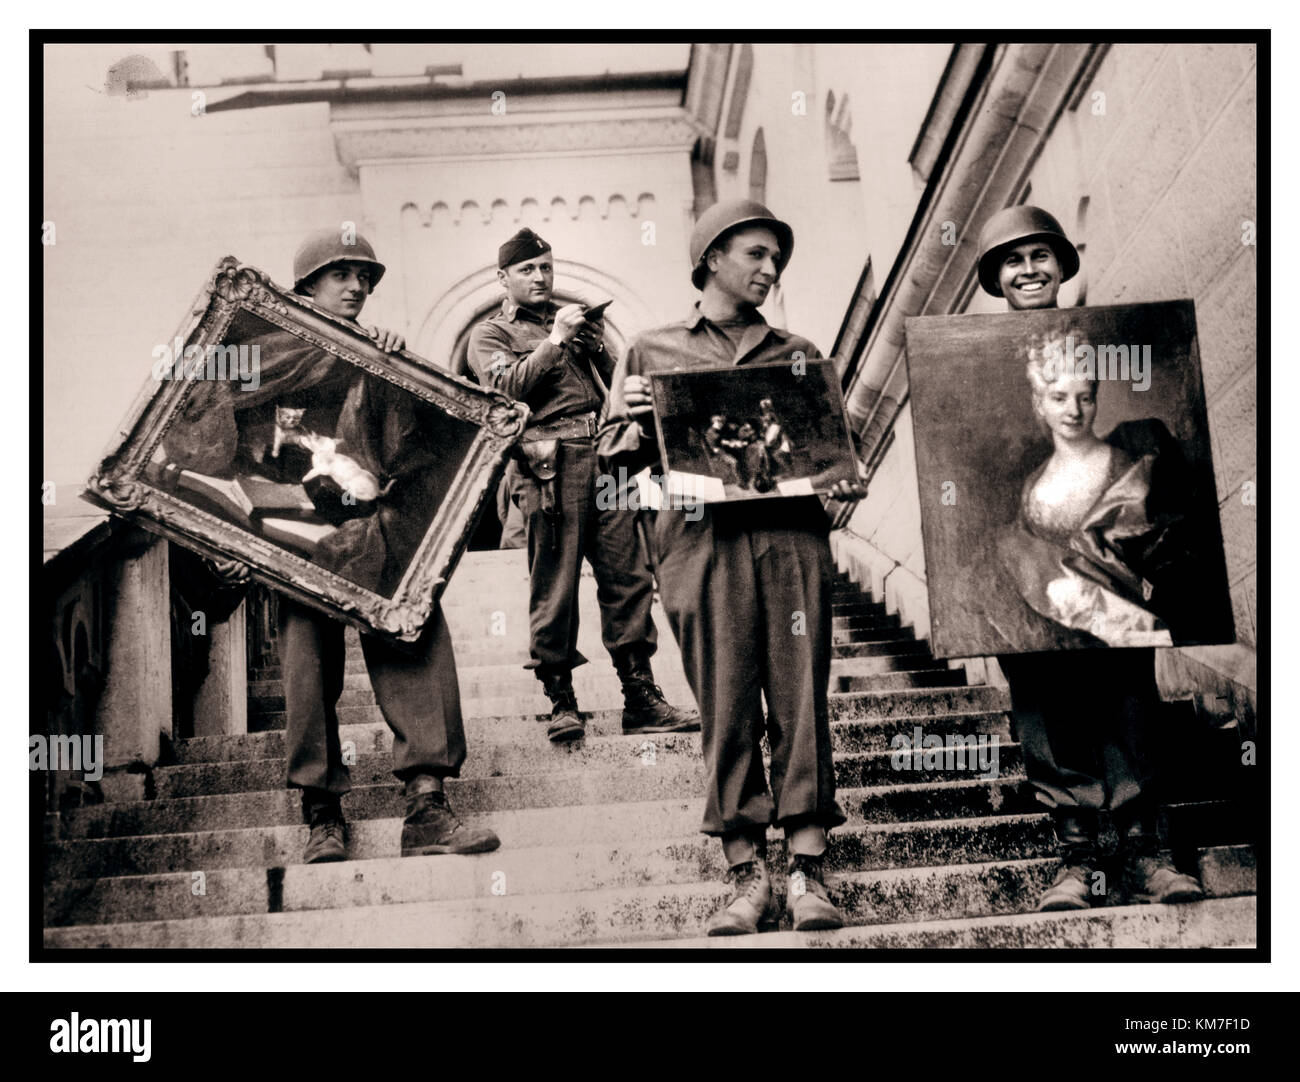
(273, 433)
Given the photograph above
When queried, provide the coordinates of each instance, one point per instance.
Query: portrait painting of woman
(1105, 540)
(1062, 508)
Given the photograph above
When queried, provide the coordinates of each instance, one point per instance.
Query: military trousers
(417, 692)
(751, 610)
(1086, 721)
(607, 538)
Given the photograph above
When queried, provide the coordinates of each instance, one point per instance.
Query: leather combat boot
(431, 827)
(566, 723)
(1076, 837)
(644, 708)
(807, 901)
(1149, 874)
(751, 901)
(328, 840)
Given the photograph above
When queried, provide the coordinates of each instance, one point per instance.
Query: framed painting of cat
(272, 433)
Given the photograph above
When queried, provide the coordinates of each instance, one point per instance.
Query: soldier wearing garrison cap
(555, 360)
(732, 580)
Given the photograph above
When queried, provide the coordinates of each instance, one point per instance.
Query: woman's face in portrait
(1068, 407)
(1030, 276)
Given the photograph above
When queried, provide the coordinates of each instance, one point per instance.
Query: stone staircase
(600, 841)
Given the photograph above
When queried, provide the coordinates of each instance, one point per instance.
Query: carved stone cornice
(406, 138)
(706, 84)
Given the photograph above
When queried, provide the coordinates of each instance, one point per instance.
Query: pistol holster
(540, 459)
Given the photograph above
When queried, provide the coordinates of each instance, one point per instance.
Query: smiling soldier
(1087, 719)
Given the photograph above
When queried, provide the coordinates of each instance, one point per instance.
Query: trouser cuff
(806, 841)
(320, 803)
(741, 847)
(435, 774)
(423, 783)
(1076, 834)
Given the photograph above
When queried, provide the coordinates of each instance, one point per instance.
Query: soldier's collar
(512, 311)
(695, 317)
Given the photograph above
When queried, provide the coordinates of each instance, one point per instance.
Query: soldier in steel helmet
(554, 359)
(735, 580)
(416, 690)
(1085, 718)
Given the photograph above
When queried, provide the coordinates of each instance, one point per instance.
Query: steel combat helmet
(1019, 225)
(321, 249)
(722, 218)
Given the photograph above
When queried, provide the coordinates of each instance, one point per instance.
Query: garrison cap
(523, 245)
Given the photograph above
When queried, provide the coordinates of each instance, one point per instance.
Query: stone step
(582, 786)
(484, 643)
(921, 801)
(514, 654)
(375, 878)
(923, 678)
(605, 689)
(854, 636)
(375, 737)
(267, 696)
(536, 758)
(470, 578)
(623, 915)
(266, 846)
(906, 702)
(865, 621)
(267, 683)
(856, 605)
(475, 608)
(196, 847)
(511, 652)
(875, 664)
(1223, 922)
(492, 565)
(918, 647)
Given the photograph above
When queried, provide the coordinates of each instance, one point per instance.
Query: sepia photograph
(352, 639)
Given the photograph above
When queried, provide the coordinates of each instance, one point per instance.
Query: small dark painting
(753, 431)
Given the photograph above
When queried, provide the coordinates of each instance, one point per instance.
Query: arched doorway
(443, 336)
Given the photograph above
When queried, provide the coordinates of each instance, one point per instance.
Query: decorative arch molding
(616, 207)
(478, 294)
